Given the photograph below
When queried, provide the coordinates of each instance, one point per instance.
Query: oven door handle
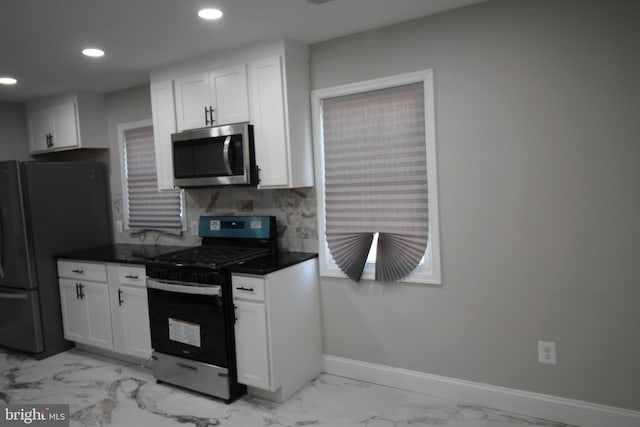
(177, 287)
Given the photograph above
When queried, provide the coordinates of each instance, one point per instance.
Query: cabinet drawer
(132, 275)
(247, 287)
(82, 270)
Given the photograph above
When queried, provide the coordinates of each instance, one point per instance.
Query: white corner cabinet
(104, 305)
(279, 87)
(267, 85)
(66, 122)
(277, 330)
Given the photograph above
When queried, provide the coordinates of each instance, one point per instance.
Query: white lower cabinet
(85, 312)
(129, 310)
(105, 305)
(252, 350)
(277, 331)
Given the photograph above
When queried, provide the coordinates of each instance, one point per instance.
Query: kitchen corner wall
(295, 212)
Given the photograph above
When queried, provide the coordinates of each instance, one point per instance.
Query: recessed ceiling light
(210, 14)
(93, 52)
(8, 81)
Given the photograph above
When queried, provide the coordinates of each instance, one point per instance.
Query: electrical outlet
(547, 352)
(194, 228)
(119, 227)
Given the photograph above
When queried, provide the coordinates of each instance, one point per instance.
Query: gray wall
(538, 141)
(125, 106)
(13, 131)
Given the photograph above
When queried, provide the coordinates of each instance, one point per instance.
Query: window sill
(423, 276)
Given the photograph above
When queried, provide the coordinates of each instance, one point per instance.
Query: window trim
(121, 130)
(430, 271)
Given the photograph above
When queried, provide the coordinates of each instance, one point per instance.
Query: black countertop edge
(140, 254)
(271, 263)
(120, 253)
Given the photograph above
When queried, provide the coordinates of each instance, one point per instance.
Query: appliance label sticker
(214, 225)
(255, 225)
(184, 332)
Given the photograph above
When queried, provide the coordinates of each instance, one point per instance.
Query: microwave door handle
(225, 155)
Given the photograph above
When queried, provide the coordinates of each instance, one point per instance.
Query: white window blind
(375, 159)
(148, 208)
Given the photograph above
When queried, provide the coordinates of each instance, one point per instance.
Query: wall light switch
(194, 228)
(119, 227)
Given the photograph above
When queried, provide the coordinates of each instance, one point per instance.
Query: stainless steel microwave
(214, 156)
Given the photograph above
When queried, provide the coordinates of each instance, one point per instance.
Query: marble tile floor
(106, 392)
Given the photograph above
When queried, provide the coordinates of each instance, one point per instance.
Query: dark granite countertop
(140, 254)
(269, 264)
(120, 253)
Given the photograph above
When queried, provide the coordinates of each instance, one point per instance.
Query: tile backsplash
(295, 212)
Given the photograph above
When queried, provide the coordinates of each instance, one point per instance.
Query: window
(374, 147)
(145, 207)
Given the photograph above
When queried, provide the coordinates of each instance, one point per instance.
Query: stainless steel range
(190, 304)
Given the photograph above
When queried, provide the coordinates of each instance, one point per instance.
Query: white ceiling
(41, 40)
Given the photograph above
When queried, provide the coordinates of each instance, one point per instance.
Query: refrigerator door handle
(1, 245)
(12, 296)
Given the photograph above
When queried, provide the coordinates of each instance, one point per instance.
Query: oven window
(189, 326)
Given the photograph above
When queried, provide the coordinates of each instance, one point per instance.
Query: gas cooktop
(211, 256)
(226, 240)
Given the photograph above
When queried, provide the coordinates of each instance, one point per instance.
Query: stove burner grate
(212, 257)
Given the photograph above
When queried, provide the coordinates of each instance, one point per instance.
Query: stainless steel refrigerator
(45, 209)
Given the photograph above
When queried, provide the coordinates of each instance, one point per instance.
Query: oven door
(187, 320)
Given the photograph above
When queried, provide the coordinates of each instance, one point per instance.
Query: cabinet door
(98, 314)
(192, 97)
(65, 126)
(164, 124)
(229, 95)
(135, 337)
(40, 125)
(252, 351)
(74, 318)
(268, 118)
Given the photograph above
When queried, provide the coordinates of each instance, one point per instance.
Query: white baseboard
(568, 411)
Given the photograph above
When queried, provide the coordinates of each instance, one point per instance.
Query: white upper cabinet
(213, 98)
(164, 124)
(66, 122)
(53, 128)
(268, 118)
(40, 127)
(192, 101)
(229, 89)
(281, 118)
